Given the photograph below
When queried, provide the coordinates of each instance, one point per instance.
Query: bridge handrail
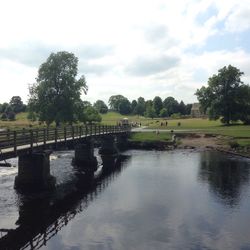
(34, 136)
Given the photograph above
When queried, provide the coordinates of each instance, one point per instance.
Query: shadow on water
(43, 216)
(226, 176)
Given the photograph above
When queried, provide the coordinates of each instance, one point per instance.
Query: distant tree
(188, 109)
(101, 107)
(31, 116)
(140, 107)
(182, 108)
(223, 96)
(171, 105)
(244, 105)
(148, 103)
(4, 117)
(157, 105)
(92, 115)
(133, 105)
(124, 107)
(115, 100)
(56, 92)
(163, 112)
(4, 107)
(150, 112)
(17, 104)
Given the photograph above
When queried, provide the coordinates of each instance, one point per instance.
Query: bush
(4, 117)
(176, 116)
(11, 116)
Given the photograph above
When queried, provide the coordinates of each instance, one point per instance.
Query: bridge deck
(14, 143)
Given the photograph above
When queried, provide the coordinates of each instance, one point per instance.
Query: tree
(133, 105)
(4, 107)
(171, 105)
(17, 104)
(140, 107)
(56, 92)
(222, 97)
(182, 108)
(92, 115)
(101, 107)
(188, 109)
(124, 107)
(150, 112)
(115, 100)
(157, 105)
(163, 112)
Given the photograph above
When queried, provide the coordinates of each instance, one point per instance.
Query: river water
(149, 200)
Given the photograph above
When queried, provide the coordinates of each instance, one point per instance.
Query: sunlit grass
(150, 136)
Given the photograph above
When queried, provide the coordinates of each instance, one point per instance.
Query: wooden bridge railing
(42, 136)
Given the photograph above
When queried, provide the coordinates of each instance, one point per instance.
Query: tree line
(149, 108)
(56, 97)
(9, 110)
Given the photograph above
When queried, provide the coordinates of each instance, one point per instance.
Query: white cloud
(124, 47)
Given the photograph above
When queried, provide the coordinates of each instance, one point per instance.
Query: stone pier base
(84, 157)
(122, 142)
(108, 146)
(34, 172)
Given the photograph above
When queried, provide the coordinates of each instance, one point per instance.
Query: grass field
(150, 136)
(239, 131)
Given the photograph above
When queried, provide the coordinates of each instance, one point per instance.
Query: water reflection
(226, 176)
(43, 216)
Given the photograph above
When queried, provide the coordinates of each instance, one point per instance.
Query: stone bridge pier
(108, 151)
(84, 157)
(34, 172)
(122, 141)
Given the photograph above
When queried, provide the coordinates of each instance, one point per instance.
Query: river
(179, 199)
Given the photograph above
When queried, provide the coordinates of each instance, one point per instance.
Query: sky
(134, 48)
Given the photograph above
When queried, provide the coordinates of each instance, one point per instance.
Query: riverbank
(163, 141)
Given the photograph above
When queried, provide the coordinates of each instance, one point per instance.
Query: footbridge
(34, 146)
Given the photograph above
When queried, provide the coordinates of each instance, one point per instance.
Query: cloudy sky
(129, 47)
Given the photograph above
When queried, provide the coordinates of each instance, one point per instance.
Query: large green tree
(124, 107)
(171, 105)
(222, 98)
(157, 105)
(101, 107)
(115, 100)
(16, 104)
(57, 92)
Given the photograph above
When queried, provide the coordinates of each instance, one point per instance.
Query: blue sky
(133, 47)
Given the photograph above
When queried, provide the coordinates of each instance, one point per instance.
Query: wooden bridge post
(65, 134)
(44, 136)
(31, 140)
(73, 133)
(15, 142)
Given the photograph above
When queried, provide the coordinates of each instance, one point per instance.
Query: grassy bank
(150, 137)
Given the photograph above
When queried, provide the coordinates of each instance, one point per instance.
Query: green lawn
(240, 132)
(150, 136)
(20, 122)
(111, 118)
